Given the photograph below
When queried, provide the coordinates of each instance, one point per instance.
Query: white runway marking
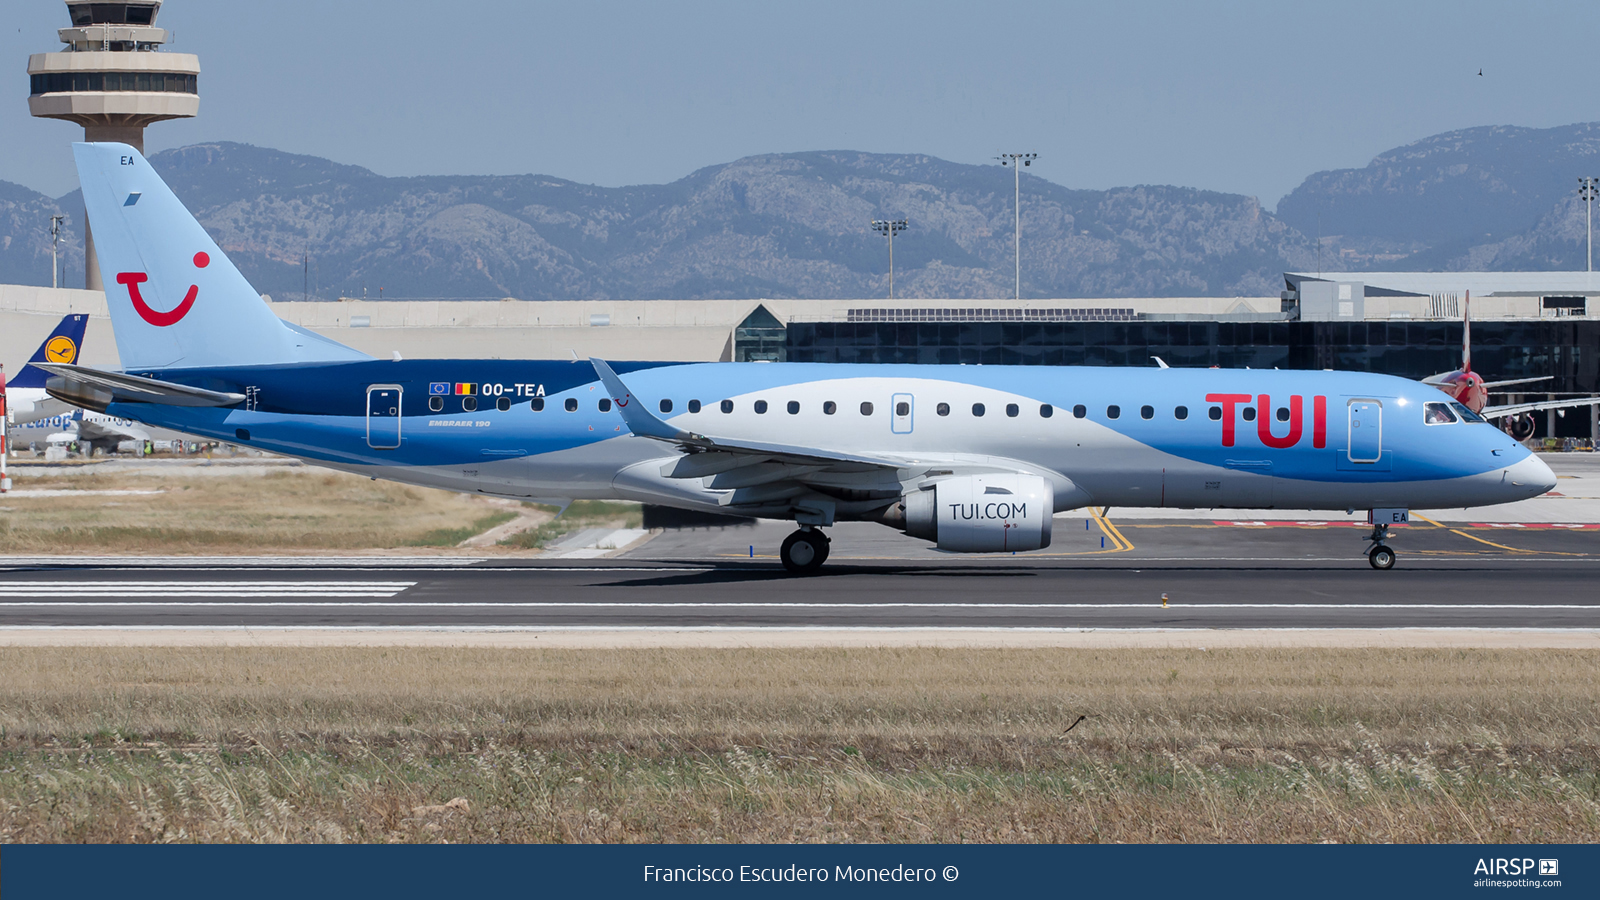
(46, 492)
(222, 589)
(245, 562)
(450, 604)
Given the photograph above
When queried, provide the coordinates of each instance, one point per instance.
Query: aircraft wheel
(1381, 557)
(804, 552)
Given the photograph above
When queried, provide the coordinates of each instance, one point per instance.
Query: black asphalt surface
(1217, 574)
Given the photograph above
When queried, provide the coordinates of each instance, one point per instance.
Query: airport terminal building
(1524, 325)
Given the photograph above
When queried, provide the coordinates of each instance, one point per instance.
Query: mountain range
(796, 225)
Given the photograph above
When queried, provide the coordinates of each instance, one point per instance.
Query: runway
(1214, 576)
(1530, 565)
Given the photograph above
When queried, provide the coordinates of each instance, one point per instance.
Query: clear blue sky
(1243, 97)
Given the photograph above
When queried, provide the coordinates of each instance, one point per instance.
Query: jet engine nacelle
(983, 513)
(1521, 427)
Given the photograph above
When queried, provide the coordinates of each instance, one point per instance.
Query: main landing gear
(804, 552)
(1380, 556)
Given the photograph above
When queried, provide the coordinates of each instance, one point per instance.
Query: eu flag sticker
(438, 388)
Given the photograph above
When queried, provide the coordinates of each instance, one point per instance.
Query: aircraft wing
(1517, 409)
(101, 431)
(644, 423)
(96, 388)
(753, 474)
(1494, 384)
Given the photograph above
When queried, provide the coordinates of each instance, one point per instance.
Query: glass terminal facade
(1501, 350)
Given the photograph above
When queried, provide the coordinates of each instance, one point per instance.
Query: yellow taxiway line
(1490, 543)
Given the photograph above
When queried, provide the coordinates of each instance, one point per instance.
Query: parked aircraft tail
(62, 346)
(175, 298)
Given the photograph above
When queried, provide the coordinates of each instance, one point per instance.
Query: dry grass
(232, 511)
(798, 745)
(580, 515)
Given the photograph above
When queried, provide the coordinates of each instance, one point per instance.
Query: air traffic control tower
(113, 79)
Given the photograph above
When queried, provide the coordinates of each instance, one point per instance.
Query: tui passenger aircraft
(975, 459)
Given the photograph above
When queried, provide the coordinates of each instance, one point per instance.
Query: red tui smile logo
(172, 316)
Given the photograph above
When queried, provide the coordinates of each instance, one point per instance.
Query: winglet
(639, 420)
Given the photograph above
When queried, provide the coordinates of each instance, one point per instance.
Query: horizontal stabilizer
(1517, 409)
(1495, 384)
(96, 389)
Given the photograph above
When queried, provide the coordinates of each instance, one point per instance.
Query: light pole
(55, 242)
(1588, 188)
(889, 228)
(1011, 159)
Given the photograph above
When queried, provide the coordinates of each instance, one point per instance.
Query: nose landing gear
(804, 552)
(1380, 556)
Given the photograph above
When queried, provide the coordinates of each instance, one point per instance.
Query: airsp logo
(1501, 866)
(61, 349)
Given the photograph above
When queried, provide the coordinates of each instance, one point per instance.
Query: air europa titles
(1264, 419)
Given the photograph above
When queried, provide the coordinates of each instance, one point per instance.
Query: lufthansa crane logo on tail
(61, 349)
(172, 316)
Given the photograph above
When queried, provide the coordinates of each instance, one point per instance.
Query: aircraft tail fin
(62, 346)
(1466, 334)
(176, 300)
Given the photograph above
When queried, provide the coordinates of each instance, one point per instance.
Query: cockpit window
(1468, 415)
(1438, 414)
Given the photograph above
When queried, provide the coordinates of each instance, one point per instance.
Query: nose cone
(1532, 475)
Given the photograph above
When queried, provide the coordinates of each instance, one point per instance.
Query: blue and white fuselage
(974, 458)
(1084, 428)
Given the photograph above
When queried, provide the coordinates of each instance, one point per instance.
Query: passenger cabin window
(1181, 412)
(1046, 410)
(829, 408)
(436, 403)
(1215, 413)
(1080, 411)
(694, 406)
(1012, 409)
(977, 409)
(761, 407)
(902, 408)
(1468, 415)
(1249, 413)
(794, 407)
(1147, 412)
(503, 404)
(1438, 414)
(1113, 412)
(604, 404)
(572, 404)
(727, 406)
(866, 409)
(942, 409)
(1283, 414)
(469, 403)
(537, 404)
(666, 406)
